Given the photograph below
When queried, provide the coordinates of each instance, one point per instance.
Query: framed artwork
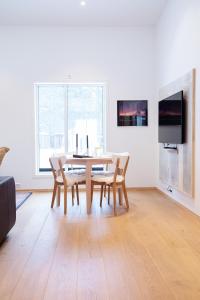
(132, 113)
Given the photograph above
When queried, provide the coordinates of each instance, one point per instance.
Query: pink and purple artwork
(132, 113)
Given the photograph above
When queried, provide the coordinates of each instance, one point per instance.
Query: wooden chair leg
(101, 195)
(125, 195)
(109, 195)
(92, 191)
(58, 196)
(77, 193)
(114, 199)
(72, 195)
(54, 195)
(120, 195)
(65, 199)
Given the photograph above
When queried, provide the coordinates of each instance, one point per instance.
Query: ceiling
(71, 13)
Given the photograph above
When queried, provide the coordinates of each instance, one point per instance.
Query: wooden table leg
(58, 196)
(88, 186)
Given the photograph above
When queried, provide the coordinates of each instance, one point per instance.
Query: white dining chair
(115, 180)
(65, 179)
(106, 171)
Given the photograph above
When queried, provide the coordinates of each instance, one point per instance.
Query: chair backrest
(57, 163)
(120, 160)
(3, 151)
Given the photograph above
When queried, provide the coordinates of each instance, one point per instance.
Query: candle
(77, 141)
(87, 141)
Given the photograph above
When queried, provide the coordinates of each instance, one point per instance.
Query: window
(64, 110)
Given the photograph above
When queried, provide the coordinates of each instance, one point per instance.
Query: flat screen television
(172, 120)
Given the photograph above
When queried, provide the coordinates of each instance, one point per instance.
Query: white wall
(122, 57)
(178, 51)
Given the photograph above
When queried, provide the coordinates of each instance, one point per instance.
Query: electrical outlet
(169, 189)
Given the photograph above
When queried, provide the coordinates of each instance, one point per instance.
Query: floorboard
(151, 252)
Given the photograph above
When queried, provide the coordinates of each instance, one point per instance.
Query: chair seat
(78, 175)
(76, 172)
(107, 179)
(102, 173)
(71, 179)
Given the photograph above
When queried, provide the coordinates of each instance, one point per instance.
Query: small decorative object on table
(77, 143)
(82, 154)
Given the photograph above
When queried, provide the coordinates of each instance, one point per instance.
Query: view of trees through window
(64, 111)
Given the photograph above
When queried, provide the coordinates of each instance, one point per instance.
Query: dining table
(88, 162)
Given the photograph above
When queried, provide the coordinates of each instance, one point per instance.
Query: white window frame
(36, 102)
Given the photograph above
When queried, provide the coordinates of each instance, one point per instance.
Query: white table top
(91, 160)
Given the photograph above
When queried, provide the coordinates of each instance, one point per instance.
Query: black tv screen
(172, 119)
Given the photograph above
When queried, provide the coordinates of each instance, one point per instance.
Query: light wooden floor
(152, 252)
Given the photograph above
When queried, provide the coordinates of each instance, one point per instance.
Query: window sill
(45, 176)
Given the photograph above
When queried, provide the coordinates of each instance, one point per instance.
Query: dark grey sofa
(7, 205)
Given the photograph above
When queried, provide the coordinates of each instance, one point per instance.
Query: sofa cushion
(7, 205)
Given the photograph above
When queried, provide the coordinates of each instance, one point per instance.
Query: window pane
(85, 117)
(51, 101)
(66, 110)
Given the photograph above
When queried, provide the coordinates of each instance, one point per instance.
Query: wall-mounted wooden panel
(176, 168)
